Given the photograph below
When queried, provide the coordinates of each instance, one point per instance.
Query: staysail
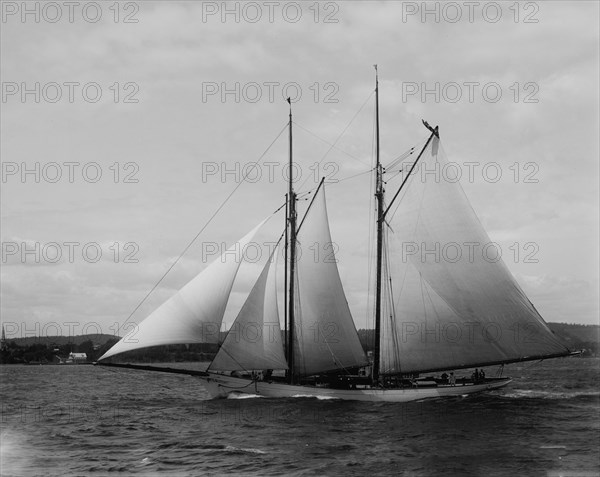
(254, 340)
(194, 314)
(450, 300)
(325, 337)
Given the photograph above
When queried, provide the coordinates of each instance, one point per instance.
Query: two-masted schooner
(440, 304)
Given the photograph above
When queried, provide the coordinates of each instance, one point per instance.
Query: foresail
(194, 314)
(452, 302)
(254, 340)
(325, 335)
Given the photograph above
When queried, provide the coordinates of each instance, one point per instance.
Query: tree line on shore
(48, 350)
(52, 353)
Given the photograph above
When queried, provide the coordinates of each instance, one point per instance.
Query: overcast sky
(163, 98)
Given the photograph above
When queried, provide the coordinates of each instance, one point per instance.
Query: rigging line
(410, 172)
(329, 143)
(400, 198)
(309, 206)
(237, 387)
(389, 301)
(164, 386)
(340, 135)
(279, 208)
(431, 301)
(299, 353)
(371, 233)
(335, 360)
(394, 176)
(423, 296)
(203, 227)
(391, 304)
(417, 221)
(304, 195)
(399, 160)
(404, 269)
(533, 363)
(386, 297)
(228, 354)
(402, 157)
(355, 175)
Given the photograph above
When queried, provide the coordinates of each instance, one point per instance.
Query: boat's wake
(553, 395)
(314, 396)
(235, 395)
(243, 396)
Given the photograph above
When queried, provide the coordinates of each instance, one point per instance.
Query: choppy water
(84, 420)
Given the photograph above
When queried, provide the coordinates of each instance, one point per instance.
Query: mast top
(434, 131)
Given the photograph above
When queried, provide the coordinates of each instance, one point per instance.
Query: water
(84, 420)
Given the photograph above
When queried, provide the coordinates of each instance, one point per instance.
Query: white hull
(220, 385)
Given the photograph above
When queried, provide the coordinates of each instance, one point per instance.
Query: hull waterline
(220, 385)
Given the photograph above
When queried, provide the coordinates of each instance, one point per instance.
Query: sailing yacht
(440, 303)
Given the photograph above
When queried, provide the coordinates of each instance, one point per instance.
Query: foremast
(291, 219)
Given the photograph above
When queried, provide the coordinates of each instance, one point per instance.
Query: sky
(126, 125)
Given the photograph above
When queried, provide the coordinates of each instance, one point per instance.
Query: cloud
(174, 132)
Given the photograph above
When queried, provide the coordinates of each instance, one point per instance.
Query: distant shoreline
(45, 350)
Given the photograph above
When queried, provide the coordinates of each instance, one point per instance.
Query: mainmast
(381, 214)
(379, 193)
(292, 257)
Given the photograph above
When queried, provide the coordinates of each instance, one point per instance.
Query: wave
(314, 396)
(235, 395)
(243, 450)
(557, 395)
(243, 396)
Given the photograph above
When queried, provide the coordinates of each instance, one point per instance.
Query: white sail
(452, 302)
(194, 314)
(325, 335)
(254, 340)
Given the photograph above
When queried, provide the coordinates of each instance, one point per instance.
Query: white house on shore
(76, 358)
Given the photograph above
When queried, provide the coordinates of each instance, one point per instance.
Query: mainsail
(325, 337)
(451, 301)
(254, 340)
(194, 314)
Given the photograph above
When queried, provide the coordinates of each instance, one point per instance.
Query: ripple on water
(546, 421)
